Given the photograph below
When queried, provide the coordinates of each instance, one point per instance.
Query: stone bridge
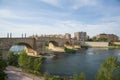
(38, 44)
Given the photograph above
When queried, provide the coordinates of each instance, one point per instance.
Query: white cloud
(81, 3)
(67, 26)
(51, 2)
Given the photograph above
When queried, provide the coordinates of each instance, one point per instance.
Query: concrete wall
(97, 44)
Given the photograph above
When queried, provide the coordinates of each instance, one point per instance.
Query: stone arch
(24, 43)
(28, 48)
(67, 43)
(54, 43)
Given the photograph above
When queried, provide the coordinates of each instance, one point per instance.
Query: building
(77, 35)
(107, 37)
(67, 36)
(80, 36)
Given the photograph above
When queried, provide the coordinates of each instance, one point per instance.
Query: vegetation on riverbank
(3, 65)
(84, 47)
(69, 50)
(81, 76)
(109, 70)
(114, 46)
(27, 63)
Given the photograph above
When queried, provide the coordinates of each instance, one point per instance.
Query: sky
(59, 17)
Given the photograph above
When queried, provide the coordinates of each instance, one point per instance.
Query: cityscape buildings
(107, 37)
(80, 36)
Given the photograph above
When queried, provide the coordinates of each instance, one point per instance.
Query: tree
(3, 65)
(102, 39)
(46, 76)
(13, 58)
(79, 77)
(0, 53)
(82, 76)
(108, 70)
(75, 77)
(23, 60)
(37, 65)
(30, 63)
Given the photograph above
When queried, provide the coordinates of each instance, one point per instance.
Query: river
(87, 61)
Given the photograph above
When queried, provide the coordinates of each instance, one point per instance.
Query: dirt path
(16, 74)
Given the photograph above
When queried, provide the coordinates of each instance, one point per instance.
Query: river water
(87, 61)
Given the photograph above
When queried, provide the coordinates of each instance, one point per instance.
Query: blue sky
(59, 16)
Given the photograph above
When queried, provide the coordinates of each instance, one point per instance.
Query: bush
(30, 64)
(70, 50)
(79, 77)
(12, 58)
(3, 65)
(110, 70)
(84, 47)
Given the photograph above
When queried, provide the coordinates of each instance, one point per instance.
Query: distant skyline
(59, 17)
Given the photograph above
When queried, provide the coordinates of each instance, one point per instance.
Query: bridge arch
(27, 47)
(67, 43)
(54, 43)
(24, 44)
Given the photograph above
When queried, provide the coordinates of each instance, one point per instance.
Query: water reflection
(17, 48)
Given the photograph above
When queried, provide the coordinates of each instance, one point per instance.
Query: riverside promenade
(14, 73)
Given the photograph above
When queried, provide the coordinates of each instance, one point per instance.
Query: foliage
(92, 39)
(3, 65)
(102, 39)
(82, 76)
(110, 70)
(49, 77)
(30, 64)
(46, 76)
(23, 60)
(84, 47)
(79, 77)
(70, 50)
(37, 65)
(3, 76)
(12, 58)
(1, 53)
(75, 77)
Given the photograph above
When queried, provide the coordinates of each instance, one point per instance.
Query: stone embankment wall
(97, 44)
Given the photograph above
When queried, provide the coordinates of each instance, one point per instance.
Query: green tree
(0, 53)
(13, 58)
(3, 65)
(117, 76)
(79, 77)
(30, 63)
(37, 65)
(102, 39)
(82, 76)
(108, 70)
(46, 76)
(23, 60)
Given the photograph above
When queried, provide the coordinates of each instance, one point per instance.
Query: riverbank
(14, 73)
